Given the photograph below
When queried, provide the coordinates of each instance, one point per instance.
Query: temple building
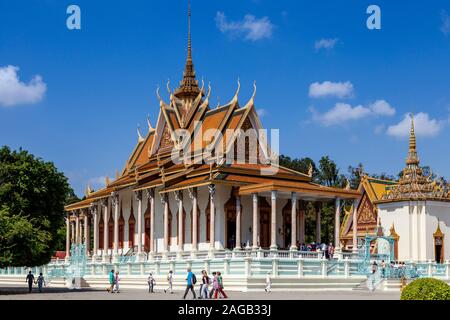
(415, 211)
(157, 208)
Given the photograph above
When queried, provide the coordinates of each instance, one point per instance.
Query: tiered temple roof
(150, 163)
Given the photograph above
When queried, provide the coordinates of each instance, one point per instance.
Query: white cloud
(382, 108)
(325, 43)
(343, 112)
(424, 126)
(14, 92)
(445, 26)
(328, 88)
(250, 28)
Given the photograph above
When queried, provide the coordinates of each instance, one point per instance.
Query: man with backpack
(191, 281)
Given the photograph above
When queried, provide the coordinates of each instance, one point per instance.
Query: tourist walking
(169, 282)
(30, 280)
(268, 282)
(111, 282)
(116, 282)
(204, 285)
(220, 286)
(40, 282)
(151, 283)
(215, 284)
(330, 251)
(191, 281)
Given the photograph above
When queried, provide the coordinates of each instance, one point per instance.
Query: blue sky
(330, 84)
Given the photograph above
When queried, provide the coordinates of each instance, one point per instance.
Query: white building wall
(415, 223)
(399, 214)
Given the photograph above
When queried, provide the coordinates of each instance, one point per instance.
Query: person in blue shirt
(111, 282)
(191, 280)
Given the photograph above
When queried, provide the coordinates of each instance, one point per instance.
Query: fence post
(430, 269)
(324, 265)
(300, 266)
(248, 262)
(275, 267)
(226, 266)
(346, 268)
(207, 265)
(158, 267)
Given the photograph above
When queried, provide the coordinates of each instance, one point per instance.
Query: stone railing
(253, 263)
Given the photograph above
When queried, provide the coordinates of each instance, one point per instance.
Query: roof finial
(189, 31)
(412, 154)
(189, 85)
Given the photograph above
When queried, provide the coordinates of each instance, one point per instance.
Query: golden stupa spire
(412, 159)
(189, 56)
(188, 85)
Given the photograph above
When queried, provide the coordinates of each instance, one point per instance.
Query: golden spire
(189, 56)
(188, 85)
(412, 154)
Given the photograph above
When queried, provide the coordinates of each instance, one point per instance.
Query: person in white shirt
(151, 283)
(116, 283)
(169, 281)
(268, 282)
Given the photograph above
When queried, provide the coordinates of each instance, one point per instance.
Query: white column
(72, 234)
(179, 199)
(105, 229)
(318, 223)
(165, 202)
(238, 223)
(138, 197)
(151, 196)
(77, 228)
(355, 225)
(87, 238)
(255, 221)
(294, 221)
(273, 222)
(337, 223)
(105, 205)
(115, 199)
(95, 214)
(194, 221)
(212, 214)
(67, 237)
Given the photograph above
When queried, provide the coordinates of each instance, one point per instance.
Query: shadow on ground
(45, 290)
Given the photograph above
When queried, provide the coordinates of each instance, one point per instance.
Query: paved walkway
(21, 293)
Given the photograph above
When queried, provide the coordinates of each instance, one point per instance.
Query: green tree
(301, 165)
(355, 175)
(329, 173)
(32, 197)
